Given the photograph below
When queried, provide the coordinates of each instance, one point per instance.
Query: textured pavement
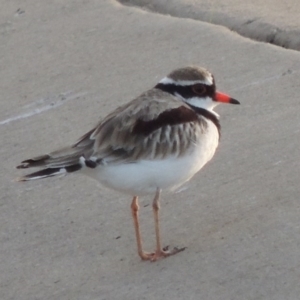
(65, 65)
(272, 21)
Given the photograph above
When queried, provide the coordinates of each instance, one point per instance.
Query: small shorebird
(156, 142)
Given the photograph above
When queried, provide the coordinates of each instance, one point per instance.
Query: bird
(154, 143)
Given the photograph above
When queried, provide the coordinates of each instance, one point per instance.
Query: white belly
(145, 176)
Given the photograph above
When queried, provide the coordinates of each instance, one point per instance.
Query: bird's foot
(162, 253)
(165, 252)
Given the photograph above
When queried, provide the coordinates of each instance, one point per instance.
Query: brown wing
(153, 126)
(145, 129)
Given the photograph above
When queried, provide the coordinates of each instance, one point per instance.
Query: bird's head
(195, 86)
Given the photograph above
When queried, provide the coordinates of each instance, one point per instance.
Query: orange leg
(135, 216)
(160, 252)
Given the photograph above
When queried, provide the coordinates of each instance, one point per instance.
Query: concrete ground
(273, 21)
(65, 65)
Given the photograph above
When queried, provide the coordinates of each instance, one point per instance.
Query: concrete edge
(252, 28)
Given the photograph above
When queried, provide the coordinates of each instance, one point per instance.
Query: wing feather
(153, 126)
(144, 129)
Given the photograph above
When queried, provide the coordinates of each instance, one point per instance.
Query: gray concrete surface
(272, 21)
(66, 64)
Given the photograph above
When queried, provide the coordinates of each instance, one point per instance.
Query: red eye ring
(199, 89)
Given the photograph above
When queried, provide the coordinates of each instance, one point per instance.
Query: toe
(165, 253)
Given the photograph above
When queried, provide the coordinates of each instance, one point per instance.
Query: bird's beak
(220, 97)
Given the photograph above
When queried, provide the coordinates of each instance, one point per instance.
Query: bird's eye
(199, 89)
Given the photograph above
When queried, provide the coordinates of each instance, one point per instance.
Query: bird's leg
(156, 207)
(135, 216)
(160, 253)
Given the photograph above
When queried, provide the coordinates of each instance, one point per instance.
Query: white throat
(206, 103)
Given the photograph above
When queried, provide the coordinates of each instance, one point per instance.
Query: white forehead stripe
(168, 80)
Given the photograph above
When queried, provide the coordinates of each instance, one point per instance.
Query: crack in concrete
(39, 107)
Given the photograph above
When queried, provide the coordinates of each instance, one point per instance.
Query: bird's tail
(60, 162)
